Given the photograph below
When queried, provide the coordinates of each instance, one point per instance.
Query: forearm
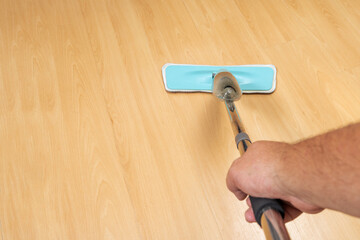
(325, 170)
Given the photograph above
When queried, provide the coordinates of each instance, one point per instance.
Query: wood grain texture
(91, 145)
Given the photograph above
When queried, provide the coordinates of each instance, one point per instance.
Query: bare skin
(317, 173)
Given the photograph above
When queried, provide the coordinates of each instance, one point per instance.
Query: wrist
(288, 169)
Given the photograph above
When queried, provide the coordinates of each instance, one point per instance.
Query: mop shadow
(265, 112)
(213, 130)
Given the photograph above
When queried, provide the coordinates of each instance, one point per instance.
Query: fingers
(290, 212)
(240, 195)
(249, 215)
(231, 182)
(248, 202)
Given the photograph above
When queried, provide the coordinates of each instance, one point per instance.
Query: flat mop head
(199, 78)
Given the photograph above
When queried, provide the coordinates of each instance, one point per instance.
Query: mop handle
(268, 213)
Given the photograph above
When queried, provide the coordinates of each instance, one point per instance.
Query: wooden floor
(93, 147)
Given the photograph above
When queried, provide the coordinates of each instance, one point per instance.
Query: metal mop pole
(268, 212)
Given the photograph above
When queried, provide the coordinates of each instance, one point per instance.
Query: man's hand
(262, 171)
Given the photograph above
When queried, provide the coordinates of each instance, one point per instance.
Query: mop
(228, 83)
(198, 78)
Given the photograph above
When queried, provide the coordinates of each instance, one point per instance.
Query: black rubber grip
(260, 205)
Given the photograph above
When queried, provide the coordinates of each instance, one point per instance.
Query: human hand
(261, 172)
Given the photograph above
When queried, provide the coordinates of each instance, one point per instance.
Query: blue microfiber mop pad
(198, 78)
